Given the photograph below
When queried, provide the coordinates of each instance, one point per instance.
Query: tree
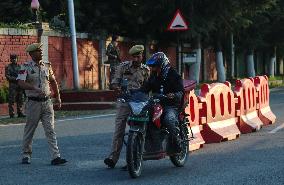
(11, 9)
(251, 35)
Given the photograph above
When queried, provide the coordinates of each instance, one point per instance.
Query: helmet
(158, 59)
(161, 60)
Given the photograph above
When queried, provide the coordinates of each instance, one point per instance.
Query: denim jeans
(170, 120)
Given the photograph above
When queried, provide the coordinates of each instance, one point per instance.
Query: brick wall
(13, 44)
(60, 55)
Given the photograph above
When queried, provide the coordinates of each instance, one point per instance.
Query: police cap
(33, 47)
(136, 50)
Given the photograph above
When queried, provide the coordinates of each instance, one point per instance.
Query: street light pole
(74, 45)
(37, 21)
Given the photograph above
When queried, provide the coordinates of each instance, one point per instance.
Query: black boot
(58, 161)
(124, 168)
(109, 162)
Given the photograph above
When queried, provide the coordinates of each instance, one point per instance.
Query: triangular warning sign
(178, 23)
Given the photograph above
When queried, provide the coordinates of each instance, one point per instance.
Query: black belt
(39, 99)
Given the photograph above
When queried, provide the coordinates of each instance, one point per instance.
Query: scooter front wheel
(134, 154)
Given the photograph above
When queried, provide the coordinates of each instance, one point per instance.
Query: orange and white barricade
(264, 112)
(246, 112)
(218, 113)
(192, 110)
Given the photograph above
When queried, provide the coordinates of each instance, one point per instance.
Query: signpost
(178, 24)
(190, 58)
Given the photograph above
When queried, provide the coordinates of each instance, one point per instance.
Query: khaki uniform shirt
(38, 75)
(135, 76)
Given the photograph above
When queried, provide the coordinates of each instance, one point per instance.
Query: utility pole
(74, 45)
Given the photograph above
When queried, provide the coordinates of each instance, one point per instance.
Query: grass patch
(59, 115)
(274, 85)
(276, 81)
(272, 78)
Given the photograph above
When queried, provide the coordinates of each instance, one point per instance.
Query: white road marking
(277, 129)
(87, 117)
(10, 124)
(68, 119)
(10, 146)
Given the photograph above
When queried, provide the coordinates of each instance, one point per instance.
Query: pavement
(255, 158)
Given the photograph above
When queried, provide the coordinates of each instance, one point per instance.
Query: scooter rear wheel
(180, 159)
(134, 154)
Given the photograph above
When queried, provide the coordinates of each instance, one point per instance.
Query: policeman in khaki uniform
(136, 74)
(35, 76)
(15, 92)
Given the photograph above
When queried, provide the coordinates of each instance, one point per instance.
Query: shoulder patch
(46, 62)
(27, 63)
(145, 67)
(124, 63)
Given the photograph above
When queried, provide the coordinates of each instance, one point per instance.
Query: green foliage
(4, 94)
(273, 78)
(274, 84)
(18, 14)
(15, 25)
(262, 15)
(276, 81)
(11, 9)
(58, 23)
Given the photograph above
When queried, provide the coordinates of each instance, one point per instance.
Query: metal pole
(281, 62)
(232, 55)
(181, 60)
(102, 58)
(74, 45)
(38, 26)
(179, 49)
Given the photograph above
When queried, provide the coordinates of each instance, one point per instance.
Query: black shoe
(11, 115)
(21, 115)
(109, 162)
(58, 161)
(26, 160)
(124, 168)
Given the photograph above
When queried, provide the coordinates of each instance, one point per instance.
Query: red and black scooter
(147, 138)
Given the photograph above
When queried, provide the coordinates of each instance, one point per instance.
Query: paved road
(256, 158)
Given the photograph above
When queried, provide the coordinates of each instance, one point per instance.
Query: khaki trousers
(122, 114)
(35, 112)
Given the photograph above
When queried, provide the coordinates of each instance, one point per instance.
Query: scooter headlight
(137, 107)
